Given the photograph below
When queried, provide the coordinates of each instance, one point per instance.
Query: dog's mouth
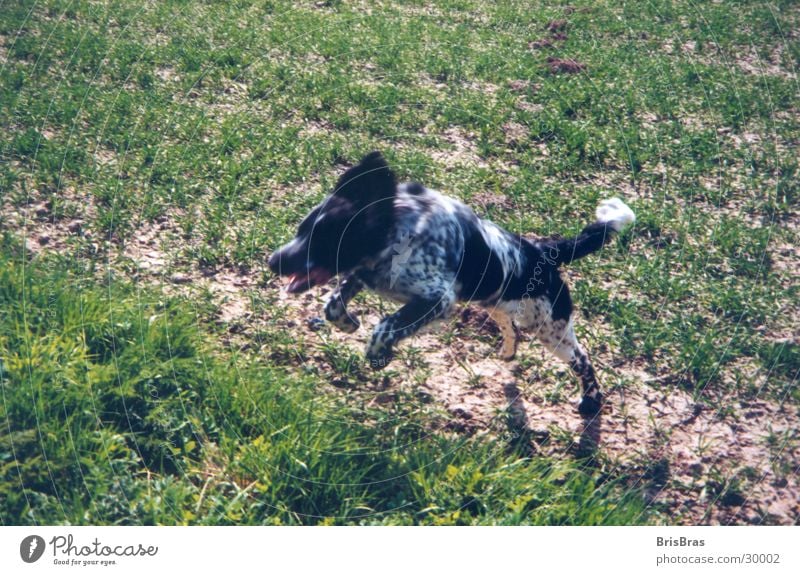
(305, 280)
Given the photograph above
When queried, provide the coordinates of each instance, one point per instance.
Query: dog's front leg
(404, 322)
(336, 306)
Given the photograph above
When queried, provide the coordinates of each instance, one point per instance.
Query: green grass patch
(116, 410)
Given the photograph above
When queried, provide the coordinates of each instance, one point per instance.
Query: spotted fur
(428, 251)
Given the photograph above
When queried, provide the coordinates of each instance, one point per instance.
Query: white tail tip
(615, 212)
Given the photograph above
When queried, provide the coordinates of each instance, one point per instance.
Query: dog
(428, 251)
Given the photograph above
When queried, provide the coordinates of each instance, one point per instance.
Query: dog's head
(348, 227)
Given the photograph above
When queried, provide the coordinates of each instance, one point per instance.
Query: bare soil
(734, 463)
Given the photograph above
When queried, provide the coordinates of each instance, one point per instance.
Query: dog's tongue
(297, 283)
(301, 282)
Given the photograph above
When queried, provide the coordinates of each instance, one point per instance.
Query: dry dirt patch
(43, 225)
(463, 148)
(734, 463)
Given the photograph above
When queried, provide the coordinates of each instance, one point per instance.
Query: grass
(228, 120)
(116, 410)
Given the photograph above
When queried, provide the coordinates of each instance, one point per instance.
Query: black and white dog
(427, 251)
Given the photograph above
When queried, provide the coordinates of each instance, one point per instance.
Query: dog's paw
(506, 354)
(591, 405)
(339, 317)
(508, 350)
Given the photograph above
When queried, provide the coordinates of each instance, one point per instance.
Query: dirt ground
(700, 465)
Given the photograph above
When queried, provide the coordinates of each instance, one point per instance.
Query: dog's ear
(370, 181)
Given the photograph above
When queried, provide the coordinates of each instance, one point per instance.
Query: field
(153, 155)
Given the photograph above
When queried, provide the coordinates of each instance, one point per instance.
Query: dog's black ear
(370, 181)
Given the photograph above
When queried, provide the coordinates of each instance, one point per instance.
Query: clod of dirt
(516, 135)
(523, 86)
(557, 25)
(566, 66)
(478, 319)
(461, 411)
(384, 398)
(540, 44)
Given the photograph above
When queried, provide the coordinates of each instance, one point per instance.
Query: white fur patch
(616, 213)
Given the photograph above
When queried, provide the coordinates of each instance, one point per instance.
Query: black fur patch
(480, 271)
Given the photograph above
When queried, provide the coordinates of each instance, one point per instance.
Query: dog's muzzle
(290, 262)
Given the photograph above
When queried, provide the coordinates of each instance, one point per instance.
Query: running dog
(427, 251)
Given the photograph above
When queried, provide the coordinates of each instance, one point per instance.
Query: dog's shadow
(524, 440)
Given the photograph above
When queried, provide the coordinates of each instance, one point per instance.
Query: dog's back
(438, 241)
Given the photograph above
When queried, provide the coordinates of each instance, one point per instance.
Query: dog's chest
(410, 269)
(421, 258)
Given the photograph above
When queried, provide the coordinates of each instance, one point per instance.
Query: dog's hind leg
(508, 332)
(336, 306)
(405, 322)
(559, 337)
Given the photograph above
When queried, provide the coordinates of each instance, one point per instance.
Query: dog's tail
(612, 216)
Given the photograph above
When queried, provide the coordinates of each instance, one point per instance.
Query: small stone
(180, 278)
(461, 411)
